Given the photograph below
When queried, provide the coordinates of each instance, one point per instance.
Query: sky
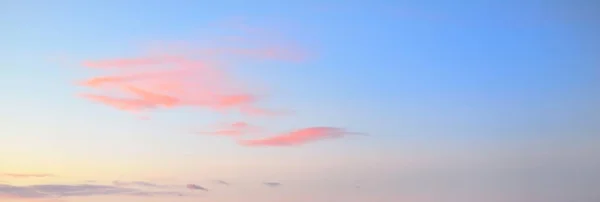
(300, 101)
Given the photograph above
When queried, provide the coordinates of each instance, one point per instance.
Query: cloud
(130, 76)
(183, 82)
(233, 129)
(224, 132)
(196, 187)
(140, 184)
(221, 182)
(64, 190)
(129, 62)
(125, 104)
(27, 175)
(165, 77)
(272, 184)
(25, 192)
(299, 137)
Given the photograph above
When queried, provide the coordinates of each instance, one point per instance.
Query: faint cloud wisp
(27, 175)
(233, 129)
(65, 190)
(272, 184)
(196, 187)
(299, 137)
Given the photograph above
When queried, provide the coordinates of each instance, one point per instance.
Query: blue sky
(428, 80)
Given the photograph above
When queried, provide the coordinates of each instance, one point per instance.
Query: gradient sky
(461, 100)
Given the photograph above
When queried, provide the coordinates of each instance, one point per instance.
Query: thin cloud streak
(128, 62)
(140, 184)
(27, 175)
(221, 182)
(272, 184)
(196, 187)
(299, 137)
(233, 129)
(125, 104)
(66, 190)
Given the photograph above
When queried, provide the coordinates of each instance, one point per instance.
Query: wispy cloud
(65, 190)
(190, 77)
(272, 184)
(299, 137)
(27, 175)
(129, 62)
(192, 83)
(233, 129)
(181, 82)
(185, 76)
(141, 184)
(196, 187)
(221, 182)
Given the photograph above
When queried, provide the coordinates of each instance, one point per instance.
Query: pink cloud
(245, 48)
(125, 104)
(155, 98)
(176, 70)
(233, 129)
(224, 132)
(129, 62)
(174, 75)
(299, 137)
(186, 82)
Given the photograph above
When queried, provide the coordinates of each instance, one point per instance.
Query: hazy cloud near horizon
(66, 190)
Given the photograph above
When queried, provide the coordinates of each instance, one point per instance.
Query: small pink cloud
(299, 137)
(128, 62)
(97, 81)
(233, 129)
(125, 104)
(224, 132)
(155, 98)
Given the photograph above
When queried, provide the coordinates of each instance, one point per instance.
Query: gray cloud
(25, 192)
(221, 182)
(196, 187)
(52, 190)
(272, 184)
(140, 184)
